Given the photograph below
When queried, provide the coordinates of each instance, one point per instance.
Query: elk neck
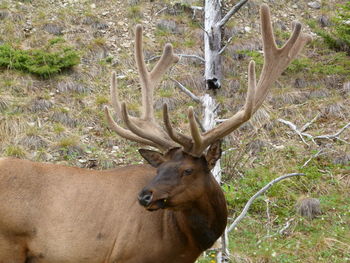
(202, 221)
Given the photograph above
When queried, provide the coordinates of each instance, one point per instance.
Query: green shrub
(338, 37)
(40, 62)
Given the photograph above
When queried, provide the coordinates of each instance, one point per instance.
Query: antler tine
(143, 132)
(275, 61)
(166, 60)
(143, 129)
(114, 96)
(183, 140)
(195, 133)
(125, 133)
(150, 79)
(116, 106)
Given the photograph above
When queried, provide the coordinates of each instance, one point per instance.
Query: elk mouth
(157, 204)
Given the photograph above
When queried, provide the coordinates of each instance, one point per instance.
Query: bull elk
(168, 211)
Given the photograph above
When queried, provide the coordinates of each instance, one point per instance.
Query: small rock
(343, 159)
(295, 6)
(324, 21)
(247, 29)
(314, 5)
(299, 83)
(53, 29)
(346, 87)
(308, 207)
(280, 25)
(93, 6)
(3, 14)
(318, 93)
(168, 25)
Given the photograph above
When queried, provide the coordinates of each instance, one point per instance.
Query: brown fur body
(55, 214)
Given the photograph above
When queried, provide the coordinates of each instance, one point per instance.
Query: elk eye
(188, 172)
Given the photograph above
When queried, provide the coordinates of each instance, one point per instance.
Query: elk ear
(152, 157)
(213, 154)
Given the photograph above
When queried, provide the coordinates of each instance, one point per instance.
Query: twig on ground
(312, 157)
(301, 132)
(280, 232)
(260, 192)
(335, 135)
(160, 11)
(296, 130)
(302, 129)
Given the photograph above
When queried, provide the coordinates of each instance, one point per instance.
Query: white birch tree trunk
(212, 44)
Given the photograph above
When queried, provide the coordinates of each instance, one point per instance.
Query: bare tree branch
(179, 55)
(226, 45)
(260, 192)
(187, 91)
(230, 13)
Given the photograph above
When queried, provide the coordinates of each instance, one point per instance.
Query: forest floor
(59, 118)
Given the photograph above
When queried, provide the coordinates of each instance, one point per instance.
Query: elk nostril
(145, 198)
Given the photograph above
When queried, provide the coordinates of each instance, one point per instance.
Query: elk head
(181, 177)
(183, 172)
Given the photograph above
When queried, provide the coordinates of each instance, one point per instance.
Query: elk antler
(275, 61)
(144, 129)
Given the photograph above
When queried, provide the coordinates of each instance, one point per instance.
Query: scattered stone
(324, 21)
(3, 104)
(53, 29)
(168, 25)
(319, 93)
(314, 5)
(300, 83)
(33, 142)
(343, 159)
(280, 25)
(99, 25)
(256, 146)
(3, 14)
(247, 29)
(334, 111)
(39, 104)
(64, 118)
(89, 20)
(178, 8)
(233, 87)
(171, 102)
(72, 86)
(346, 87)
(133, 2)
(308, 207)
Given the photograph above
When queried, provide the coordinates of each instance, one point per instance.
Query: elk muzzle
(150, 202)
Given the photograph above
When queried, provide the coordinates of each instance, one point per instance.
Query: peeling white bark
(212, 44)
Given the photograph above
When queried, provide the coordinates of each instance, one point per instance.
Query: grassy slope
(60, 119)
